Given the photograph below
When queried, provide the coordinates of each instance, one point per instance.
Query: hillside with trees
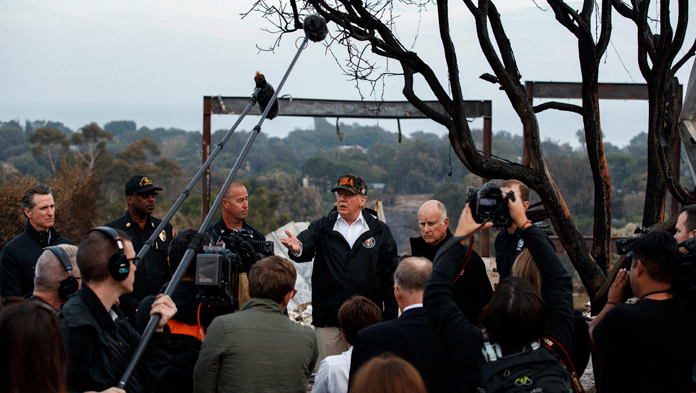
(45, 151)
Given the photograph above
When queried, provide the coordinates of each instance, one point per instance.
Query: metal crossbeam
(343, 109)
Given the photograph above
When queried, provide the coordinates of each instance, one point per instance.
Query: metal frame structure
(687, 122)
(611, 91)
(300, 107)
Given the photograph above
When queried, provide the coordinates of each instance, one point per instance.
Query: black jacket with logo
(339, 271)
(18, 260)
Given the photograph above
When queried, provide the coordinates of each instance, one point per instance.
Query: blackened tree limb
(656, 59)
(590, 54)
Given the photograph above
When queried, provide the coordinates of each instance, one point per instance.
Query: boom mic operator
(264, 96)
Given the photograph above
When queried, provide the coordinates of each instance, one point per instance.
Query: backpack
(537, 370)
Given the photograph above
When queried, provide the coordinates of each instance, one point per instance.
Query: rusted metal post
(487, 150)
(676, 153)
(529, 86)
(205, 184)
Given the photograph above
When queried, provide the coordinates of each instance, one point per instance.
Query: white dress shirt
(353, 231)
(332, 376)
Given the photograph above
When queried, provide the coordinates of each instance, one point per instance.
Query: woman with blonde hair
(525, 267)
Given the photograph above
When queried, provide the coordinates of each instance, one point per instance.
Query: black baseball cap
(139, 184)
(351, 183)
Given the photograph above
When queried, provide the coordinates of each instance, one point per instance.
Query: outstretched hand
(291, 242)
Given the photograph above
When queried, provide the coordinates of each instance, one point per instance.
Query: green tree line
(275, 167)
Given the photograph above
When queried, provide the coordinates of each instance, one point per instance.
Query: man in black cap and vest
(354, 254)
(153, 270)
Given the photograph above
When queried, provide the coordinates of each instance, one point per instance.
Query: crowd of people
(73, 318)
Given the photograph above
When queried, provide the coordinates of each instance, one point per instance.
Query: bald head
(235, 205)
(433, 222)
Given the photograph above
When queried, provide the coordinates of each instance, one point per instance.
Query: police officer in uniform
(153, 270)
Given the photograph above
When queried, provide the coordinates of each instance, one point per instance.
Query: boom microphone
(315, 27)
(264, 96)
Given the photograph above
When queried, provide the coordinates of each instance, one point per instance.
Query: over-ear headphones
(70, 285)
(119, 265)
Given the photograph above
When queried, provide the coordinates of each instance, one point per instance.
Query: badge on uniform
(369, 243)
(163, 236)
(520, 245)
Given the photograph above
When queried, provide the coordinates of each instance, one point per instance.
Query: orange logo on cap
(345, 180)
(145, 182)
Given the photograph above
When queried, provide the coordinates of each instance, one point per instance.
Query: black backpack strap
(551, 344)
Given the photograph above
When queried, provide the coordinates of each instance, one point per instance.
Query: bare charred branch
(624, 10)
(503, 44)
(689, 54)
(450, 54)
(418, 103)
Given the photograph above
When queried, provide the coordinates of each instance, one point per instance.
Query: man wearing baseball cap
(153, 270)
(354, 254)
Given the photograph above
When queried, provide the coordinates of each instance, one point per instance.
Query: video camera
(625, 246)
(488, 204)
(219, 267)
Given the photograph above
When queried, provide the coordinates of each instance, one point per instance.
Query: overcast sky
(79, 61)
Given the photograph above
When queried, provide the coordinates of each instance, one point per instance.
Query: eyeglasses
(135, 261)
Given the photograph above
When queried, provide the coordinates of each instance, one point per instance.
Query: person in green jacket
(258, 349)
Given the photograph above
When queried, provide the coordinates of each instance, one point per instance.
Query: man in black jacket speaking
(354, 254)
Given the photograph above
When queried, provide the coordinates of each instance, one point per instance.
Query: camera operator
(649, 346)
(235, 208)
(187, 326)
(509, 244)
(516, 317)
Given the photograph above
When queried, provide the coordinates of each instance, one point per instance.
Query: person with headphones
(98, 337)
(57, 276)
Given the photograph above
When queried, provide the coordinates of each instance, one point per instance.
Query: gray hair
(49, 271)
(412, 274)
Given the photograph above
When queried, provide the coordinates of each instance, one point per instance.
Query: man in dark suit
(410, 336)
